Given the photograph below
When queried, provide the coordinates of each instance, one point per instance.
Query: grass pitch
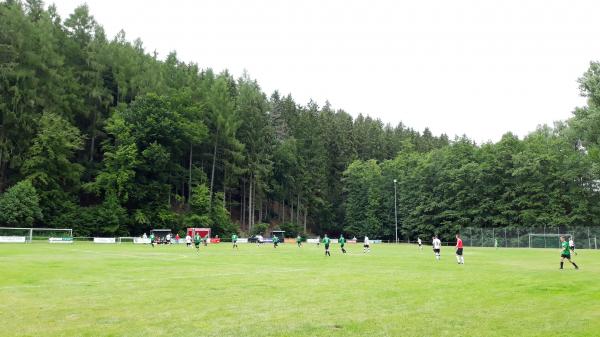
(136, 290)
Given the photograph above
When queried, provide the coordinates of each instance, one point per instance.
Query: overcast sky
(480, 68)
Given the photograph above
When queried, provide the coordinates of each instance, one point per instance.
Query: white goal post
(549, 240)
(28, 234)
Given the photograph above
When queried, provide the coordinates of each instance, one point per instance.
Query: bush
(259, 228)
(291, 230)
(20, 205)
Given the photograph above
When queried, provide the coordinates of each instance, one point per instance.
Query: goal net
(29, 235)
(15, 235)
(546, 240)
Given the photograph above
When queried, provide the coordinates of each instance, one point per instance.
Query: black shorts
(572, 247)
(234, 242)
(326, 246)
(565, 256)
(366, 246)
(419, 245)
(459, 251)
(197, 244)
(436, 250)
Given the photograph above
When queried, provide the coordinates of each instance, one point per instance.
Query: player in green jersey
(275, 241)
(152, 239)
(234, 241)
(342, 242)
(197, 240)
(326, 243)
(565, 253)
(299, 240)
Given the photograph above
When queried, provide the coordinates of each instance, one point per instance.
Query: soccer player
(437, 246)
(342, 242)
(459, 250)
(572, 245)
(197, 240)
(420, 243)
(188, 240)
(496, 243)
(565, 253)
(366, 246)
(299, 240)
(152, 239)
(275, 241)
(326, 242)
(234, 241)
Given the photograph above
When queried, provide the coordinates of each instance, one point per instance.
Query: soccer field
(136, 290)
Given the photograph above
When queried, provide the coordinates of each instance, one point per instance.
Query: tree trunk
(305, 214)
(253, 201)
(260, 212)
(212, 175)
(298, 211)
(250, 215)
(92, 145)
(292, 211)
(243, 205)
(224, 187)
(169, 196)
(282, 216)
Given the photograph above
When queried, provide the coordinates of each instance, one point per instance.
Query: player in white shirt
(420, 243)
(168, 238)
(437, 246)
(366, 246)
(188, 240)
(572, 245)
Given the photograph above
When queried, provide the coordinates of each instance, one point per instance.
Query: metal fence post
(544, 236)
(558, 235)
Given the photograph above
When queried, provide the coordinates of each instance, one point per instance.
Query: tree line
(98, 135)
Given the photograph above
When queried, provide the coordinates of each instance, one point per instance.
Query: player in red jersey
(459, 250)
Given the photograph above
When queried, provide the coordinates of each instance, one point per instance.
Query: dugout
(280, 235)
(203, 232)
(160, 235)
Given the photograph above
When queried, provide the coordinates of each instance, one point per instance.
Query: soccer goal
(546, 240)
(29, 235)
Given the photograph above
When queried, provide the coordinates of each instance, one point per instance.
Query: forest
(99, 135)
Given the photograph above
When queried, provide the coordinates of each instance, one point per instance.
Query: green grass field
(134, 290)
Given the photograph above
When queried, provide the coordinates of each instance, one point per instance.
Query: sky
(480, 68)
